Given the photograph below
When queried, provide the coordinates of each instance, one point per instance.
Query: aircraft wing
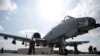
(72, 43)
(6, 36)
(19, 38)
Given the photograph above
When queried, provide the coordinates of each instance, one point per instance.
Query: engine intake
(37, 35)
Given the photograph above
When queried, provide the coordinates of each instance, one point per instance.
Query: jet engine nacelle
(37, 35)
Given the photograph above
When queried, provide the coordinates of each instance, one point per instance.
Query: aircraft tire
(65, 51)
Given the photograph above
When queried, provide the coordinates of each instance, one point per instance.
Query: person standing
(90, 49)
(32, 43)
(32, 46)
(95, 50)
(2, 50)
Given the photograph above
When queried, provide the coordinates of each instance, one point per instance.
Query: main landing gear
(76, 51)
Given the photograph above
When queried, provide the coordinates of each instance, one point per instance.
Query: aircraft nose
(91, 21)
(97, 25)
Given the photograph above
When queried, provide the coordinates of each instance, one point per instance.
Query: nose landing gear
(62, 47)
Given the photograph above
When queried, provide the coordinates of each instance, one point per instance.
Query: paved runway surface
(8, 54)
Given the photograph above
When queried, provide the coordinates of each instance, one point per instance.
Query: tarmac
(10, 54)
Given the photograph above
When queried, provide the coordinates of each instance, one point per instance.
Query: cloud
(1, 28)
(7, 18)
(7, 5)
(28, 32)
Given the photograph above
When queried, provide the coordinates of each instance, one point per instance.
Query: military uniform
(32, 47)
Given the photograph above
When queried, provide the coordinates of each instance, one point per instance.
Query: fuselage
(61, 29)
(69, 28)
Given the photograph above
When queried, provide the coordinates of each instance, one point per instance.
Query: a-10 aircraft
(69, 27)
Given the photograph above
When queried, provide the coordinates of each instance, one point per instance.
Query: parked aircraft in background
(70, 27)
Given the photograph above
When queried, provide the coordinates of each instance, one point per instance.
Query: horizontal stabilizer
(72, 43)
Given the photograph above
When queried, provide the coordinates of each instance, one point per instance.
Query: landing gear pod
(23, 42)
(14, 41)
(5, 37)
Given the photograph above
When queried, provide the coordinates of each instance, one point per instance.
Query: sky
(18, 17)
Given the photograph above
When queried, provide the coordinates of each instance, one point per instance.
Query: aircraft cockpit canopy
(66, 18)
